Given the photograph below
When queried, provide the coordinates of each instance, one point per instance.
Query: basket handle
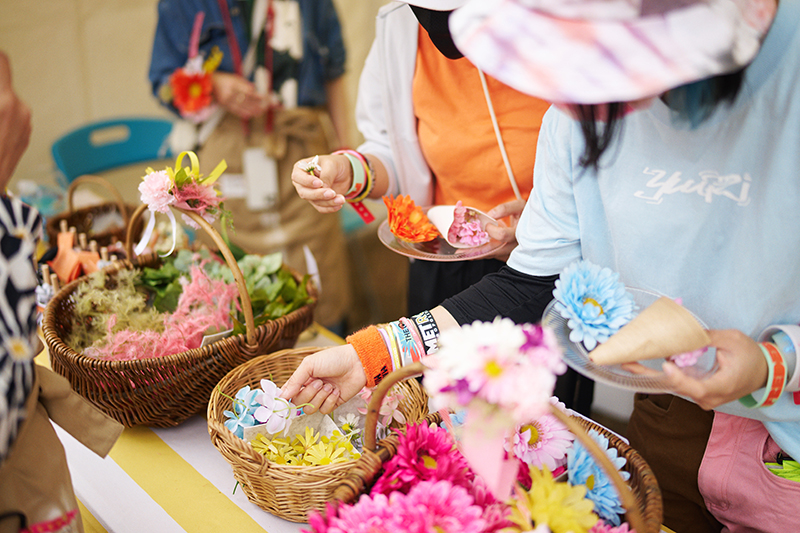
(88, 178)
(632, 513)
(244, 296)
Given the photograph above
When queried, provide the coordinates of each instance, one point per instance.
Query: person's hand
(238, 96)
(741, 369)
(15, 124)
(324, 188)
(326, 379)
(506, 233)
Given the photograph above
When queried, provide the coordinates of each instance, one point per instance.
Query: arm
(15, 124)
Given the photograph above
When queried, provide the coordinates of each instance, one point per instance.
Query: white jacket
(384, 107)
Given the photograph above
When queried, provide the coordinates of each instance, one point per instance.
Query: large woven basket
(164, 391)
(640, 495)
(83, 219)
(289, 492)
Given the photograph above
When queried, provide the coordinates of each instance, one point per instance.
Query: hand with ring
(237, 95)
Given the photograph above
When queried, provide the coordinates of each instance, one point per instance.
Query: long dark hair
(692, 103)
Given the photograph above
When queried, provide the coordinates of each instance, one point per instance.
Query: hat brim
(437, 5)
(599, 61)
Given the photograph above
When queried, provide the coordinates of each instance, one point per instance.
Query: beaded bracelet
(776, 378)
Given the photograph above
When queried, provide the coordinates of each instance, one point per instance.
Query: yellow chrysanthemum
(558, 505)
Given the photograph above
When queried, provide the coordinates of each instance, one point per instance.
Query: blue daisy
(583, 470)
(244, 405)
(594, 302)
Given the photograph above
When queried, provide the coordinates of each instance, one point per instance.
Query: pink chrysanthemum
(543, 442)
(155, 191)
(429, 506)
(602, 527)
(423, 453)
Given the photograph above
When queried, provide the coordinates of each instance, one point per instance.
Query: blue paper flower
(244, 405)
(594, 302)
(583, 470)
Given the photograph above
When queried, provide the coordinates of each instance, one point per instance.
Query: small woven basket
(289, 492)
(640, 495)
(83, 219)
(164, 391)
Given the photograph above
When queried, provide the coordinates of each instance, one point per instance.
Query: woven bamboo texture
(642, 483)
(163, 391)
(289, 492)
(83, 219)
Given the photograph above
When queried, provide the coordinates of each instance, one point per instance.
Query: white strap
(259, 19)
(499, 137)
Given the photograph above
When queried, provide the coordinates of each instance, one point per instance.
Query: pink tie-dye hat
(597, 51)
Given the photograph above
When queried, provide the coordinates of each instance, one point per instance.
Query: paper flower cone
(443, 216)
(663, 329)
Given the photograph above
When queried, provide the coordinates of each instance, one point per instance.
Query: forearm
(507, 293)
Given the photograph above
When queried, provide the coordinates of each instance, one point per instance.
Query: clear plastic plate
(577, 357)
(435, 250)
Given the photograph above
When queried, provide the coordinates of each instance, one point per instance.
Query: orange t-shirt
(456, 134)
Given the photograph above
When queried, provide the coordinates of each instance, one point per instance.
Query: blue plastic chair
(111, 143)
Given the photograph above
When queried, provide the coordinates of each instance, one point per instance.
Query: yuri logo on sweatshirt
(708, 184)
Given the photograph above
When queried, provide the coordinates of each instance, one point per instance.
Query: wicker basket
(640, 495)
(164, 391)
(82, 219)
(289, 492)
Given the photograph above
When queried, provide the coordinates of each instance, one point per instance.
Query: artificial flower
(156, 190)
(584, 471)
(602, 527)
(244, 406)
(274, 411)
(429, 506)
(466, 227)
(390, 406)
(558, 505)
(407, 221)
(507, 366)
(191, 91)
(423, 453)
(594, 302)
(542, 442)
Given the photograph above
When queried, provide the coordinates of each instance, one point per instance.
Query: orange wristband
(373, 353)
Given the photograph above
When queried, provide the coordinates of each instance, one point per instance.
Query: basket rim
(56, 344)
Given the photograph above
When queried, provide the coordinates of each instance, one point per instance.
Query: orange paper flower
(407, 221)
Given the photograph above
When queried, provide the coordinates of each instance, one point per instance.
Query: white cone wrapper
(663, 329)
(442, 216)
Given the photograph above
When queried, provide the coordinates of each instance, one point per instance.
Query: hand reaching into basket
(326, 379)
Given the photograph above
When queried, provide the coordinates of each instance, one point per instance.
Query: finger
(319, 398)
(500, 233)
(301, 378)
(307, 394)
(683, 385)
(639, 369)
(513, 207)
(330, 403)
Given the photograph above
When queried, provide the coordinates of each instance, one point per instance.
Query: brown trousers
(671, 435)
(34, 479)
(297, 133)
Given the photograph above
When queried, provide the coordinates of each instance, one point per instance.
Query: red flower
(191, 92)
